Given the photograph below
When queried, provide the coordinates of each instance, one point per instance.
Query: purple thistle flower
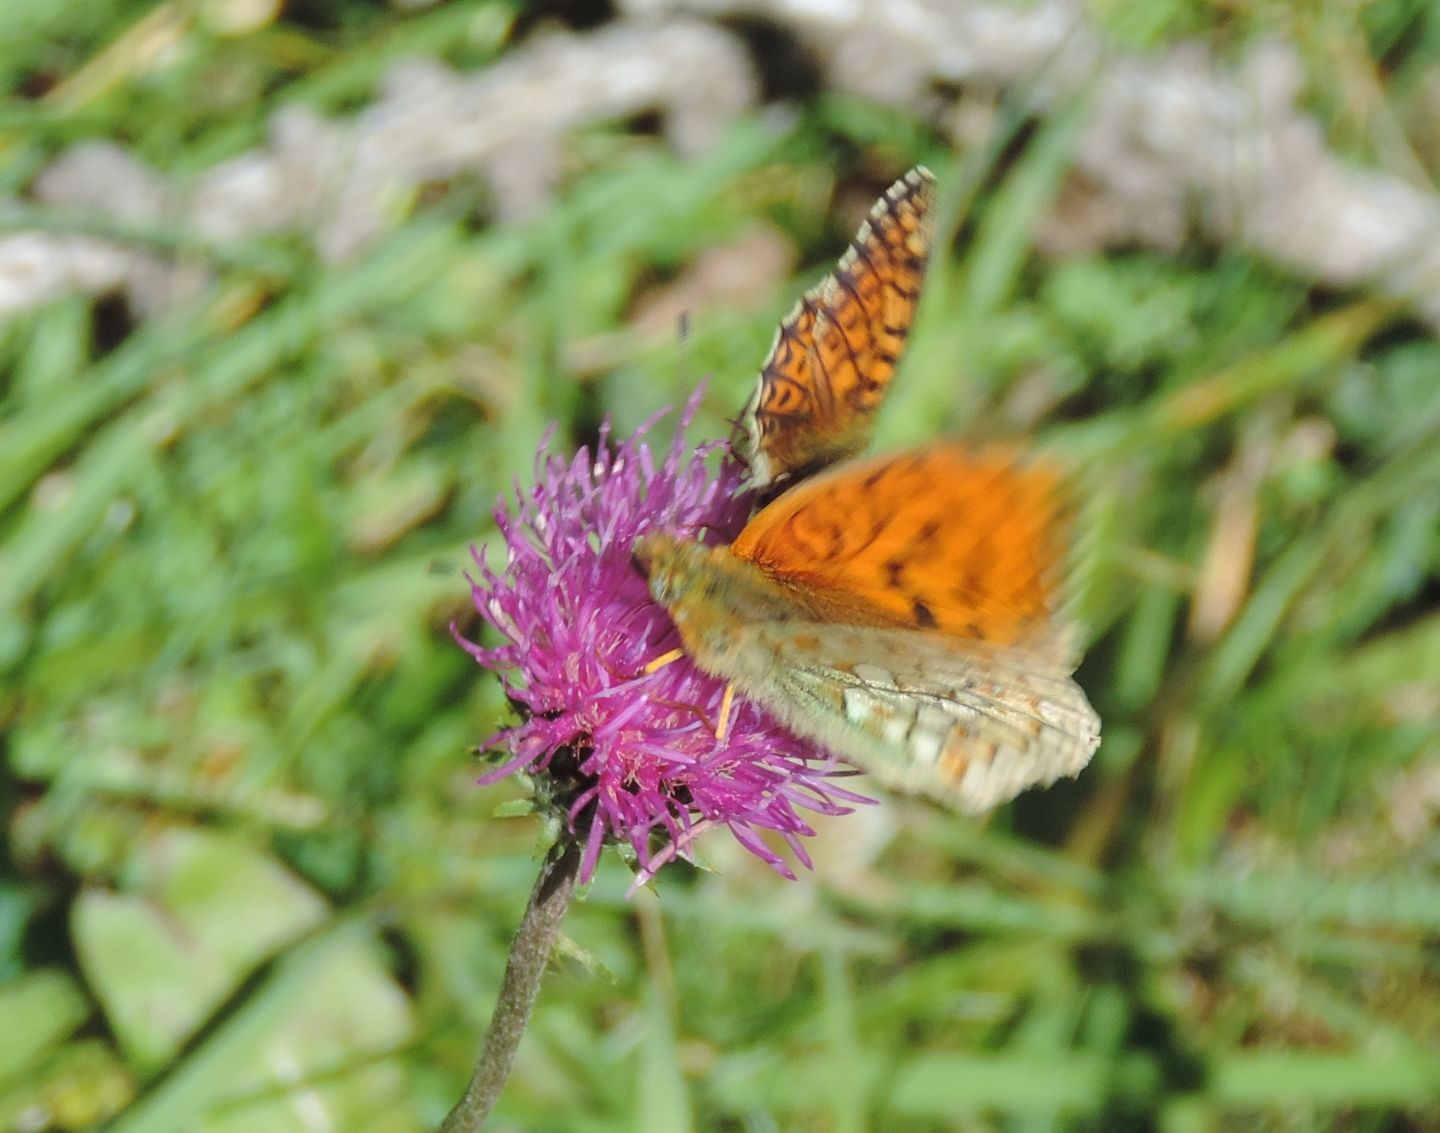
(624, 753)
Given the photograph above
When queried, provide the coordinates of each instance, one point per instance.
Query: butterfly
(830, 365)
(907, 612)
(903, 611)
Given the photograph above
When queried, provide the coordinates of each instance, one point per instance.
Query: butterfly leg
(661, 661)
(727, 702)
(727, 699)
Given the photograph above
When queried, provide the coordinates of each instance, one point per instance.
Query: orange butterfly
(834, 355)
(904, 611)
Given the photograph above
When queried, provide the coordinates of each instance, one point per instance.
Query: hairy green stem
(529, 952)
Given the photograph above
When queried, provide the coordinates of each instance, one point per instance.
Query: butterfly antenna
(682, 349)
(736, 424)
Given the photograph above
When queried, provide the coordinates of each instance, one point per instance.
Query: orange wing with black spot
(836, 352)
(968, 543)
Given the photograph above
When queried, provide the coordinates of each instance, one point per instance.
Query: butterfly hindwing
(971, 727)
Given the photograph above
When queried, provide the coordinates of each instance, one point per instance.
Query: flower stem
(529, 952)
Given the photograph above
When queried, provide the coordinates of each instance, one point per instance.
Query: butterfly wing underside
(835, 353)
(963, 723)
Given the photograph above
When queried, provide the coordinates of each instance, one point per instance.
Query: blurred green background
(290, 292)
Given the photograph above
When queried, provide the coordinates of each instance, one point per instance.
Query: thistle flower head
(626, 754)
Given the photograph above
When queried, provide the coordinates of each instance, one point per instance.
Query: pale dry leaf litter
(338, 179)
(1168, 140)
(1164, 135)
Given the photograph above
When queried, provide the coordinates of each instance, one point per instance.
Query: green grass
(248, 881)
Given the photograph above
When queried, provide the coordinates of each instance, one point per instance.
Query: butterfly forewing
(966, 542)
(836, 352)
